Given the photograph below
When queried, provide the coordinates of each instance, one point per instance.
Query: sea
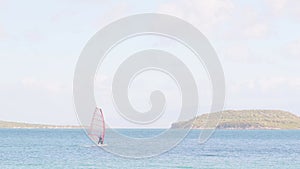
(226, 149)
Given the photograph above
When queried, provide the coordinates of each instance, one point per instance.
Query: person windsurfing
(100, 140)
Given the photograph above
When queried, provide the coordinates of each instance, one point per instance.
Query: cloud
(279, 92)
(226, 19)
(34, 36)
(248, 23)
(288, 8)
(117, 11)
(256, 30)
(275, 83)
(3, 33)
(241, 52)
(37, 101)
(238, 53)
(271, 85)
(277, 6)
(48, 86)
(292, 50)
(64, 15)
(205, 15)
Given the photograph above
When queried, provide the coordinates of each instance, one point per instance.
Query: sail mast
(103, 124)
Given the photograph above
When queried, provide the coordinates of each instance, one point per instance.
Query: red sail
(97, 127)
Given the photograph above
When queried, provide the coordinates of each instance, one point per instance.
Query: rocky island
(244, 119)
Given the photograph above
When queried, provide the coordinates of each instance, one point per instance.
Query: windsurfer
(100, 140)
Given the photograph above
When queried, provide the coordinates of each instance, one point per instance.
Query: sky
(258, 44)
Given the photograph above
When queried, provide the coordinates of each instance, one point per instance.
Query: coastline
(21, 125)
(78, 128)
(57, 127)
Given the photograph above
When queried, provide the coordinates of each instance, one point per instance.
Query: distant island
(5, 124)
(230, 119)
(245, 119)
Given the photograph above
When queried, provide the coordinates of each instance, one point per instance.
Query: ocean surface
(227, 149)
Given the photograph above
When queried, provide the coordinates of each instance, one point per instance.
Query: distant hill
(5, 124)
(246, 119)
(230, 119)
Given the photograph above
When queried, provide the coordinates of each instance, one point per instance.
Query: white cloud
(289, 8)
(292, 50)
(272, 83)
(277, 6)
(243, 53)
(215, 18)
(248, 23)
(268, 92)
(49, 86)
(238, 53)
(206, 15)
(116, 12)
(64, 15)
(256, 30)
(267, 85)
(3, 33)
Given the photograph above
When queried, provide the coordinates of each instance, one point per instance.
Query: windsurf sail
(97, 128)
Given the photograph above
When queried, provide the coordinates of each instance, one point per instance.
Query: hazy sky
(258, 43)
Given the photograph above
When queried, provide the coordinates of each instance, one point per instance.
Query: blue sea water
(227, 149)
